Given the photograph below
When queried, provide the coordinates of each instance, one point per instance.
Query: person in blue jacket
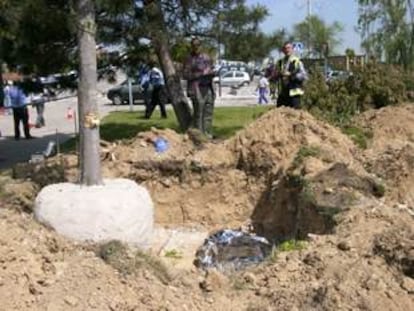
(20, 112)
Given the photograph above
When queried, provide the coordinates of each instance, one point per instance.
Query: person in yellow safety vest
(291, 75)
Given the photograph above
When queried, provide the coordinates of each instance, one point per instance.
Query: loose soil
(285, 176)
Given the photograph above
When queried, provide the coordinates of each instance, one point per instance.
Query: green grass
(304, 152)
(291, 245)
(128, 262)
(287, 246)
(125, 125)
(226, 121)
(359, 136)
(173, 253)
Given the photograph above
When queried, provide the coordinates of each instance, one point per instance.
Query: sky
(286, 13)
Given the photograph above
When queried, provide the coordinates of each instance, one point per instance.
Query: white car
(233, 78)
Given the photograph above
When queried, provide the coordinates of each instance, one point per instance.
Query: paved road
(59, 127)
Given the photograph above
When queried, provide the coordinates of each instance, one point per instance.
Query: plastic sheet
(232, 250)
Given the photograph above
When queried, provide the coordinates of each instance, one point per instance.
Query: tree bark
(87, 95)
(159, 39)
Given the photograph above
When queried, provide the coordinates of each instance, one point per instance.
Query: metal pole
(57, 143)
(219, 45)
(77, 138)
(309, 5)
(131, 101)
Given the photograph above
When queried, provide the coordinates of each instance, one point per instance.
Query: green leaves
(387, 30)
(318, 35)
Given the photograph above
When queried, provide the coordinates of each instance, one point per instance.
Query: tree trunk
(1, 82)
(159, 39)
(87, 95)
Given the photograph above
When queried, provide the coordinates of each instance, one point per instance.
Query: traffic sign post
(298, 47)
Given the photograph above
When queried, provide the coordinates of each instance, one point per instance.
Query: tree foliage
(237, 28)
(318, 35)
(387, 30)
(373, 86)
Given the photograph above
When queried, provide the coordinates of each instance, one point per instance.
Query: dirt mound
(287, 176)
(273, 141)
(346, 270)
(390, 152)
(390, 126)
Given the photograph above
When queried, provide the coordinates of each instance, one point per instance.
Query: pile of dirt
(390, 154)
(272, 143)
(287, 176)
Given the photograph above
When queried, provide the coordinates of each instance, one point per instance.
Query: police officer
(291, 75)
(199, 72)
(20, 112)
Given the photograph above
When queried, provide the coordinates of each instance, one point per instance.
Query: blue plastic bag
(161, 145)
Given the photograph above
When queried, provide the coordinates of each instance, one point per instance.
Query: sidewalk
(58, 127)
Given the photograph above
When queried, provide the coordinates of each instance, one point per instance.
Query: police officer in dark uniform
(158, 92)
(291, 75)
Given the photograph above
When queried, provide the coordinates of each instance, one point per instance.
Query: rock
(250, 278)
(408, 285)
(166, 182)
(313, 259)
(344, 246)
(71, 301)
(328, 190)
(117, 210)
(263, 292)
(34, 290)
(213, 281)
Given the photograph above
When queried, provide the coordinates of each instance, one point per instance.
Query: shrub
(374, 86)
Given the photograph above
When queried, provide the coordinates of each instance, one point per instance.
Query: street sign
(298, 47)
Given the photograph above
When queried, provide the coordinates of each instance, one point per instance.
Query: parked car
(233, 78)
(337, 75)
(120, 93)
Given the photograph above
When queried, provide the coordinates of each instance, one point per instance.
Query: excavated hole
(292, 206)
(288, 210)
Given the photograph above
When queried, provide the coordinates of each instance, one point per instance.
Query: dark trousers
(21, 114)
(159, 98)
(288, 101)
(40, 109)
(203, 106)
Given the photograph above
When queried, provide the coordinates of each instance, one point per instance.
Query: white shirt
(263, 82)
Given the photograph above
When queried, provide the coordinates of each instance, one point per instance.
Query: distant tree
(44, 39)
(350, 52)
(237, 26)
(387, 30)
(317, 35)
(8, 29)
